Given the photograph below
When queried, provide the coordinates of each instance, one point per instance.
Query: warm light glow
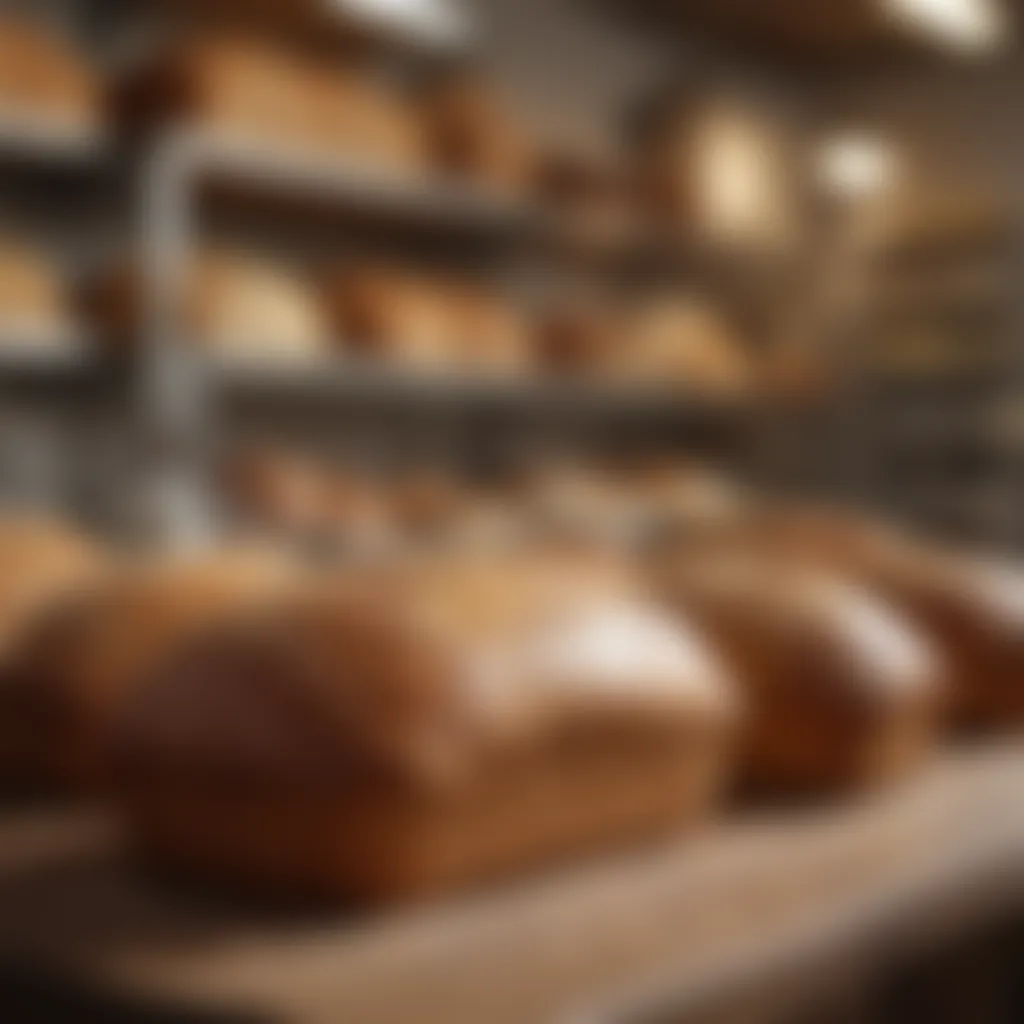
(973, 25)
(430, 19)
(856, 165)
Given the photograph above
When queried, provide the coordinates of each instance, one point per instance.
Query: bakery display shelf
(768, 896)
(344, 382)
(268, 171)
(33, 138)
(30, 354)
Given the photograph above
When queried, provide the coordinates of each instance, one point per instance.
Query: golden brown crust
(841, 689)
(73, 670)
(42, 76)
(404, 731)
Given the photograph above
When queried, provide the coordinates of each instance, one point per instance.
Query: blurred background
(365, 283)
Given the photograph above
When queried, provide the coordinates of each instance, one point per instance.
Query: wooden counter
(662, 929)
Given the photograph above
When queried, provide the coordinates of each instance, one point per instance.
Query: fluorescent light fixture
(856, 165)
(973, 26)
(434, 21)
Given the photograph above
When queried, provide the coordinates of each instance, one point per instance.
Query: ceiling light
(435, 21)
(970, 25)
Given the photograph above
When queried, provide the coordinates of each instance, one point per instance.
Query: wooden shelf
(665, 927)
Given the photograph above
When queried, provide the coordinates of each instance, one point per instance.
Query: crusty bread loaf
(427, 321)
(492, 335)
(71, 671)
(236, 305)
(43, 567)
(257, 91)
(392, 736)
(972, 609)
(393, 315)
(33, 298)
(41, 76)
(471, 135)
(40, 563)
(842, 690)
(683, 342)
(578, 337)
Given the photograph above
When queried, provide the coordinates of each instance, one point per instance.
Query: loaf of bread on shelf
(70, 672)
(33, 299)
(493, 335)
(43, 80)
(686, 504)
(971, 607)
(578, 336)
(471, 135)
(664, 149)
(305, 500)
(235, 305)
(393, 315)
(842, 689)
(399, 734)
(279, 491)
(683, 342)
(591, 202)
(253, 91)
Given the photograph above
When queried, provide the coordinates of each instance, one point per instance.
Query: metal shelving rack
(941, 435)
(178, 397)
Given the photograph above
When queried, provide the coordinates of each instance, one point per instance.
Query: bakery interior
(514, 410)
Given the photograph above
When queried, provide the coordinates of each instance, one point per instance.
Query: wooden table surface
(669, 925)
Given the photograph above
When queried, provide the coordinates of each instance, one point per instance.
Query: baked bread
(236, 306)
(578, 337)
(842, 691)
(43, 566)
(71, 671)
(971, 608)
(41, 562)
(393, 315)
(43, 77)
(253, 90)
(470, 135)
(683, 342)
(393, 736)
(493, 337)
(33, 299)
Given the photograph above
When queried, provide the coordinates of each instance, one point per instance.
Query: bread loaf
(972, 609)
(390, 737)
(253, 90)
(43, 567)
(682, 342)
(33, 299)
(842, 691)
(578, 337)
(42, 77)
(70, 673)
(392, 315)
(470, 135)
(235, 305)
(493, 337)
